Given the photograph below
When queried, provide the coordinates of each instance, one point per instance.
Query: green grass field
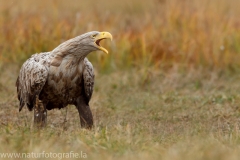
(169, 89)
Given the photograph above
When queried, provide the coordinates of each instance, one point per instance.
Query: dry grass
(166, 91)
(169, 116)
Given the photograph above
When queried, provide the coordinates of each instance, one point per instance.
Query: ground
(173, 115)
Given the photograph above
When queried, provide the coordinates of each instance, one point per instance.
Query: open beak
(101, 36)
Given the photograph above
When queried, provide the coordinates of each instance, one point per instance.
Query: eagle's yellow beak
(101, 36)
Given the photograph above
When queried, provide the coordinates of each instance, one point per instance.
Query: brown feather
(57, 60)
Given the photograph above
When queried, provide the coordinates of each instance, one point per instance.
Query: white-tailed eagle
(60, 77)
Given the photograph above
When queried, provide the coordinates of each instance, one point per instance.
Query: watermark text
(47, 155)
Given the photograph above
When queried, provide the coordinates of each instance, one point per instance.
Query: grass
(172, 116)
(169, 89)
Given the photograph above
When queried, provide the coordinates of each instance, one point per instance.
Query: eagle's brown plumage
(63, 76)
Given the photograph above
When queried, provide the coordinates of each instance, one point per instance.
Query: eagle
(60, 77)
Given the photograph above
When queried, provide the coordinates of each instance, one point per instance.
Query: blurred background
(157, 33)
(168, 89)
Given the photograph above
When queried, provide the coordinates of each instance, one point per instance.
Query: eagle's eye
(93, 36)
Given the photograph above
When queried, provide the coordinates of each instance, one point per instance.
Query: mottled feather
(88, 76)
(32, 78)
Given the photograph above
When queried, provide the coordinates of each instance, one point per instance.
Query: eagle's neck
(72, 50)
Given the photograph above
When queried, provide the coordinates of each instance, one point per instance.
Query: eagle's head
(91, 40)
(80, 46)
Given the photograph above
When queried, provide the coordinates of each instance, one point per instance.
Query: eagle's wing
(32, 78)
(88, 77)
